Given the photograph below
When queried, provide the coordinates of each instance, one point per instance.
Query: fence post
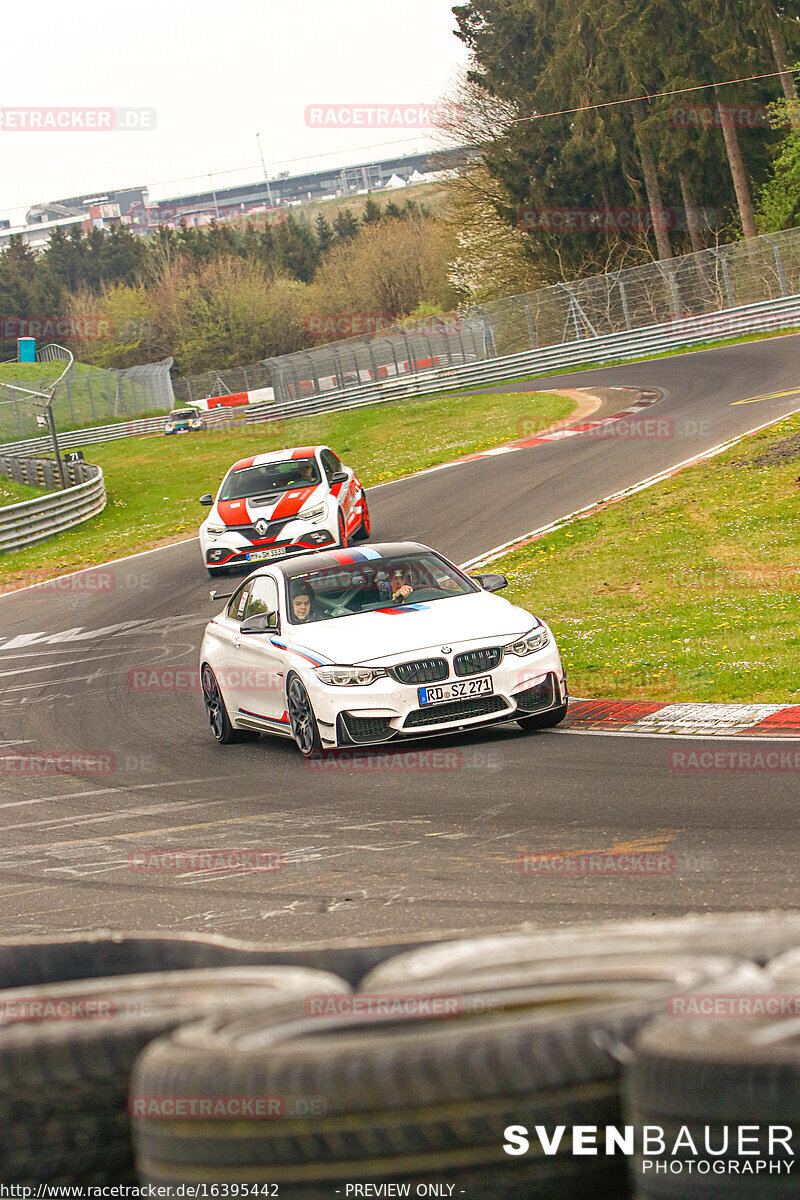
(778, 264)
(529, 318)
(726, 275)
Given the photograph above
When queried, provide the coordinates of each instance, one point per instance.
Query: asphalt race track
(374, 852)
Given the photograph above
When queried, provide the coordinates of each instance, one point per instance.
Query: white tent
(418, 177)
(394, 182)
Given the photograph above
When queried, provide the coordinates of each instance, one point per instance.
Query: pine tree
(372, 212)
(345, 225)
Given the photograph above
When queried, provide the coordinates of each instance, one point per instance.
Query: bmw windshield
(386, 583)
(249, 482)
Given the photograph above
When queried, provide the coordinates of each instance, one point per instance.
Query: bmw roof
(324, 560)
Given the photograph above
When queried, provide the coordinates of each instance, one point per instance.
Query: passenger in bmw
(302, 604)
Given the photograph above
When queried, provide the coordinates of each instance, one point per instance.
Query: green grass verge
(153, 484)
(17, 493)
(687, 591)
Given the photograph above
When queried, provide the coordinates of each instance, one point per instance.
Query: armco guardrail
(36, 520)
(678, 333)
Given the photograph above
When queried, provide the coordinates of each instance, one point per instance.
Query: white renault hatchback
(279, 504)
(362, 646)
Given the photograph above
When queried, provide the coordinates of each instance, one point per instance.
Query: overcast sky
(216, 73)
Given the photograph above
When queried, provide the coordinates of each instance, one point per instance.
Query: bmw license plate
(260, 555)
(461, 690)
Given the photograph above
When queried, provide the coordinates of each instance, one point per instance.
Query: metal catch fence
(677, 290)
(85, 397)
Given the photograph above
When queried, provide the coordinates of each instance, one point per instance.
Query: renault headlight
(349, 676)
(318, 513)
(537, 639)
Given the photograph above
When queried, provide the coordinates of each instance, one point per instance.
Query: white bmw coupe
(360, 646)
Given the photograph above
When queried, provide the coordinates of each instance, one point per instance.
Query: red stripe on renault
(304, 452)
(233, 512)
(243, 463)
(292, 502)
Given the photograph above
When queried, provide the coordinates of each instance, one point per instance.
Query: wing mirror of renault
(338, 477)
(207, 500)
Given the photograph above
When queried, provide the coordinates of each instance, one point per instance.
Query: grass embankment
(17, 493)
(687, 591)
(153, 484)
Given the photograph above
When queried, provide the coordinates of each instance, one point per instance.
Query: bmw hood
(269, 507)
(390, 635)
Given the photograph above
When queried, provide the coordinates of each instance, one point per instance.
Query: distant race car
(184, 420)
(281, 504)
(362, 646)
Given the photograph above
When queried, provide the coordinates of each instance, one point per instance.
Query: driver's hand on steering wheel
(402, 592)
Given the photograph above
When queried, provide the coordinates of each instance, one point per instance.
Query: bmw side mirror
(261, 623)
(491, 583)
(207, 500)
(339, 477)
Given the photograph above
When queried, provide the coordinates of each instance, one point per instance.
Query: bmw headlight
(318, 513)
(537, 639)
(349, 676)
(215, 529)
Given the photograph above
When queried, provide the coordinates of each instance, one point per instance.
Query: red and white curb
(647, 396)
(684, 720)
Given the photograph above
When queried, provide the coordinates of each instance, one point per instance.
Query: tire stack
(420, 1086)
(414, 1078)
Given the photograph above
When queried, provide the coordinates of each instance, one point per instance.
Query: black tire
(64, 1083)
(342, 532)
(423, 1098)
(758, 937)
(363, 531)
(546, 720)
(305, 730)
(34, 962)
(700, 1072)
(217, 713)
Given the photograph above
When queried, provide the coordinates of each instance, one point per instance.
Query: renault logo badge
(262, 527)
